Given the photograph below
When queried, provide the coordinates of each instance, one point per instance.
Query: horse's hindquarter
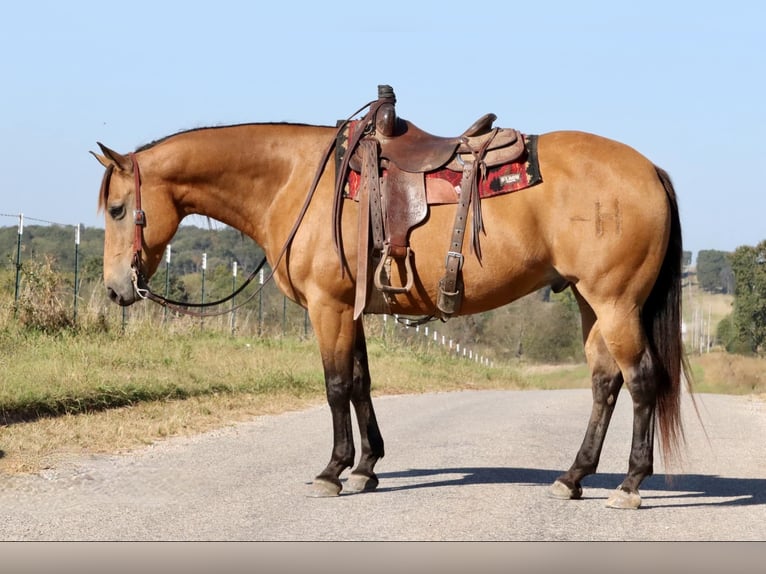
(607, 223)
(599, 218)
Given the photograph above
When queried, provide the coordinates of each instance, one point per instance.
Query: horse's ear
(121, 162)
(101, 159)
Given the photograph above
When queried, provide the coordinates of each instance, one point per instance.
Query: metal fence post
(284, 314)
(18, 263)
(167, 280)
(233, 288)
(204, 268)
(260, 303)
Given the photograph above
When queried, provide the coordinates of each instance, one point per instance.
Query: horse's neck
(236, 175)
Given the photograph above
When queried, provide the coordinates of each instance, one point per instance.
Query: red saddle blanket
(443, 185)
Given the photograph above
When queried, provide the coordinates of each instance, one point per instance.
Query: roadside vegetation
(110, 381)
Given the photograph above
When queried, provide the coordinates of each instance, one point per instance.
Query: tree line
(743, 275)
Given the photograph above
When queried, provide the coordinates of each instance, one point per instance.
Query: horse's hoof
(361, 483)
(560, 490)
(623, 499)
(324, 488)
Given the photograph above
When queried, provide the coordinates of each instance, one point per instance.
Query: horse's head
(140, 220)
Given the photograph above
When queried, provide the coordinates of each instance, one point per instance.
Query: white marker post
(76, 269)
(233, 288)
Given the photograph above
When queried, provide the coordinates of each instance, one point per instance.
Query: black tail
(662, 324)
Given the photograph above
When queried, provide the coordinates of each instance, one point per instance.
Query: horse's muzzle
(121, 290)
(119, 298)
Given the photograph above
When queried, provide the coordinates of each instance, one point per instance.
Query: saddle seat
(417, 151)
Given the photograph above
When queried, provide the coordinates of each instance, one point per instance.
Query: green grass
(51, 375)
(67, 373)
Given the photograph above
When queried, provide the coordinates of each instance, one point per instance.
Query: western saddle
(392, 157)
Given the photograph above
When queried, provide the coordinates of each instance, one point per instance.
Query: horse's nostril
(114, 296)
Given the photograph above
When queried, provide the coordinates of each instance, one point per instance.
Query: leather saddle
(392, 157)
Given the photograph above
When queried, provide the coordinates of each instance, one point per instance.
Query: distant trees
(714, 272)
(747, 325)
(541, 327)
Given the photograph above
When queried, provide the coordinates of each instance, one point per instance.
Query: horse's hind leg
(363, 477)
(606, 381)
(623, 335)
(642, 384)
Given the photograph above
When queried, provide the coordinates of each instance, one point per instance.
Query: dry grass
(34, 446)
(566, 376)
(730, 374)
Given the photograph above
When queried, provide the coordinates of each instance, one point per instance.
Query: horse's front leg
(335, 330)
(363, 477)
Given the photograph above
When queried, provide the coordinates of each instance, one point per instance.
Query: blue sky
(681, 82)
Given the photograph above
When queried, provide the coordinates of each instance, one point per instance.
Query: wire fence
(270, 313)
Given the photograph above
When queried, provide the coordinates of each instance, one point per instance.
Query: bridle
(140, 283)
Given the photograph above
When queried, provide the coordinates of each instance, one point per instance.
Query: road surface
(472, 465)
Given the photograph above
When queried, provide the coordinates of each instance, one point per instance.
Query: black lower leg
(605, 391)
(371, 439)
(338, 397)
(643, 391)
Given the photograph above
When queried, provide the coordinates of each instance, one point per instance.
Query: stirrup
(381, 268)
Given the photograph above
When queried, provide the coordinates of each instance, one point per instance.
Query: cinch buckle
(456, 255)
(139, 217)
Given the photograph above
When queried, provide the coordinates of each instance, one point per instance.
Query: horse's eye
(117, 211)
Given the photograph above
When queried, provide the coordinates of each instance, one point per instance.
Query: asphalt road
(459, 466)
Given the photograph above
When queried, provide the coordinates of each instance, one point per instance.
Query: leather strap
(450, 295)
(340, 176)
(480, 173)
(369, 188)
(454, 260)
(139, 216)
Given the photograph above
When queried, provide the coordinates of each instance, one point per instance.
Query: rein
(140, 283)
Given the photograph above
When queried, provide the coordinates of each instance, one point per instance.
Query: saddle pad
(499, 180)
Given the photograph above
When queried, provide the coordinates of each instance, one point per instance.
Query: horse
(604, 222)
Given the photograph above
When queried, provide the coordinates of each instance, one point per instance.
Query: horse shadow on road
(685, 490)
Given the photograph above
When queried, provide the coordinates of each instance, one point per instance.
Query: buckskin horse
(603, 222)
